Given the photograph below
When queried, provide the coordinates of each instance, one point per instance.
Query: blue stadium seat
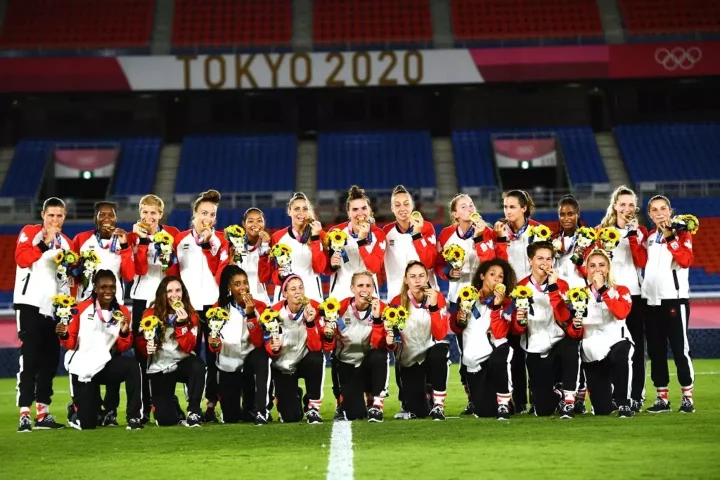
(700, 207)
(27, 169)
(375, 160)
(474, 162)
(670, 151)
(235, 163)
(135, 173)
(582, 156)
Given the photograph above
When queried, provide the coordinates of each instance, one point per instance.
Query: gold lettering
(186, 59)
(385, 76)
(418, 76)
(308, 70)
(242, 69)
(208, 69)
(364, 79)
(332, 81)
(274, 67)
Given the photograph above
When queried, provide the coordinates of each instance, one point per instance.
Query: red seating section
(7, 262)
(670, 16)
(69, 24)
(520, 19)
(222, 23)
(340, 22)
(705, 248)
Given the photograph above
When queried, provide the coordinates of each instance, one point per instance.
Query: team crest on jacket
(250, 325)
(391, 243)
(23, 238)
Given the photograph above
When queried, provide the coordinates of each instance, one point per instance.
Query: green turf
(666, 446)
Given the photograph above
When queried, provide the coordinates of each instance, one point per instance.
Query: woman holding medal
(666, 289)
(360, 344)
(300, 354)
(242, 353)
(169, 348)
(570, 256)
(423, 355)
(628, 259)
(305, 238)
(607, 347)
(365, 247)
(486, 354)
(200, 252)
(95, 339)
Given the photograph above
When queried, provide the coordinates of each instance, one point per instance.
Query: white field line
(340, 465)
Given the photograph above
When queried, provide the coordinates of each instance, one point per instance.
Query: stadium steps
(6, 158)
(161, 41)
(445, 173)
(166, 175)
(302, 33)
(610, 153)
(306, 173)
(441, 24)
(611, 21)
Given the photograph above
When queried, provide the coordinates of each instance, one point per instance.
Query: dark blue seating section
(375, 160)
(670, 152)
(700, 207)
(474, 162)
(27, 169)
(235, 163)
(275, 217)
(135, 173)
(701, 279)
(582, 156)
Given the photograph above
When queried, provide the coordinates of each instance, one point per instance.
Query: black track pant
(541, 372)
(370, 376)
(289, 402)
(190, 371)
(635, 323)
(610, 378)
(252, 382)
(39, 356)
(668, 322)
(518, 373)
(493, 378)
(433, 371)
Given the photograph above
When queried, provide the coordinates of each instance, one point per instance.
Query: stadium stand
(341, 23)
(70, 25)
(650, 18)
(232, 24)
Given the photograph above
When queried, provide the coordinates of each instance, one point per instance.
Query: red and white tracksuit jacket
(199, 263)
(477, 250)
(425, 327)
(403, 247)
(178, 343)
(575, 275)
(298, 337)
(240, 335)
(119, 262)
(604, 325)
(256, 264)
(514, 249)
(36, 273)
(667, 268)
(550, 320)
(308, 261)
(357, 333)
(92, 339)
(361, 256)
(482, 334)
(148, 271)
(629, 258)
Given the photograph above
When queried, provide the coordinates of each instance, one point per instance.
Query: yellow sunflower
(59, 256)
(66, 301)
(521, 291)
(338, 236)
(163, 237)
(280, 249)
(390, 313)
(468, 293)
(149, 323)
(588, 233)
(577, 294)
(71, 257)
(235, 231)
(222, 314)
(402, 313)
(330, 306)
(268, 316)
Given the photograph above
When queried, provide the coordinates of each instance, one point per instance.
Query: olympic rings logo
(678, 57)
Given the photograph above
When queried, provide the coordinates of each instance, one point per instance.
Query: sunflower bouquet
(236, 235)
(522, 297)
(281, 253)
(89, 261)
(395, 321)
(686, 223)
(64, 261)
(538, 233)
(578, 299)
(270, 321)
(64, 307)
(163, 249)
(467, 297)
(216, 318)
(454, 255)
(609, 238)
(586, 236)
(331, 310)
(336, 240)
(149, 327)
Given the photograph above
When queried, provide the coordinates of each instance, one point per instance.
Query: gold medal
(417, 216)
(304, 301)
(500, 287)
(475, 217)
(118, 315)
(177, 304)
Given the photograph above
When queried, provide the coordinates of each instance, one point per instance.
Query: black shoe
(25, 424)
(260, 419)
(503, 413)
(568, 411)
(313, 416)
(625, 412)
(145, 420)
(48, 423)
(437, 413)
(134, 424)
(469, 409)
(636, 406)
(687, 406)
(74, 421)
(375, 415)
(660, 406)
(211, 417)
(110, 419)
(340, 415)
(193, 420)
(580, 408)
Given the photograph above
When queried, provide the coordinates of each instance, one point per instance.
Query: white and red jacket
(92, 338)
(549, 321)
(357, 332)
(629, 258)
(36, 273)
(477, 250)
(486, 330)
(513, 248)
(258, 268)
(575, 275)
(308, 261)
(119, 262)
(240, 335)
(403, 247)
(178, 343)
(148, 270)
(361, 255)
(425, 327)
(199, 262)
(667, 268)
(298, 337)
(604, 325)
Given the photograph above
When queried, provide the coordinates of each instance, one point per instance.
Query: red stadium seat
(7, 262)
(227, 23)
(670, 16)
(71, 24)
(367, 22)
(522, 19)
(705, 245)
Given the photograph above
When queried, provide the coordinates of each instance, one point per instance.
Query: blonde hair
(602, 253)
(453, 203)
(151, 200)
(610, 218)
(361, 273)
(301, 196)
(404, 296)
